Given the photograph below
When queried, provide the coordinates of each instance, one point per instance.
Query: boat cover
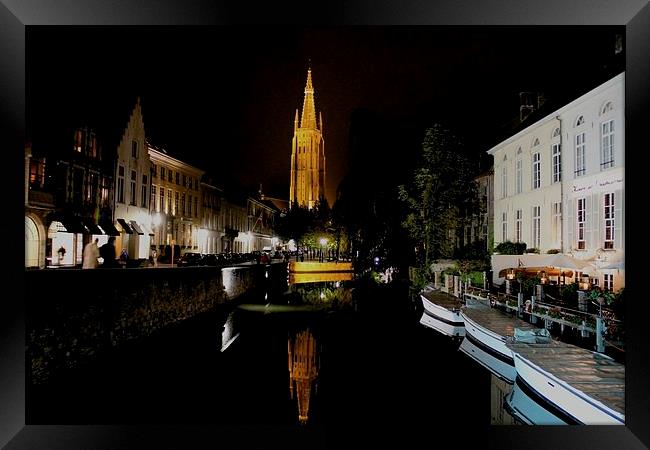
(534, 336)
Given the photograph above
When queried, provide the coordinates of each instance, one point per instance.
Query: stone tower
(307, 154)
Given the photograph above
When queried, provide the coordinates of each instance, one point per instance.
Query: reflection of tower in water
(303, 370)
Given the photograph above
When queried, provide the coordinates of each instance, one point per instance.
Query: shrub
(553, 251)
(532, 250)
(511, 248)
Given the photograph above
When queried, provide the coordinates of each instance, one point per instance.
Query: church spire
(308, 119)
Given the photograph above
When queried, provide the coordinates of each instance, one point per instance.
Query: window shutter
(600, 233)
(570, 212)
(619, 219)
(594, 239)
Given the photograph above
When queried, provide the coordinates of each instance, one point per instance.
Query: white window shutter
(589, 207)
(600, 234)
(570, 212)
(619, 199)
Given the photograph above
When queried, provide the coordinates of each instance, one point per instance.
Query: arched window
(519, 151)
(609, 106)
(31, 243)
(535, 142)
(579, 121)
(556, 132)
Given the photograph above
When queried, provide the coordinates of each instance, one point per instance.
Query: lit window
(608, 281)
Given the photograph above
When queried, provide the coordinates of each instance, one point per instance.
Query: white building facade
(133, 189)
(559, 184)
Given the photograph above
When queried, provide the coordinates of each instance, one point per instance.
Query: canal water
(269, 361)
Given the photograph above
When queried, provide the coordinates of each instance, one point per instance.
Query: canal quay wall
(73, 315)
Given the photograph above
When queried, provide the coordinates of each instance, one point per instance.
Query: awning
(136, 227)
(567, 262)
(125, 226)
(532, 271)
(92, 226)
(147, 230)
(73, 225)
(109, 229)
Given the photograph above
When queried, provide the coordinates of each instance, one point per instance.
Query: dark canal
(264, 361)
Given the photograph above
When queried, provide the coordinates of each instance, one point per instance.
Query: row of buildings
(558, 185)
(137, 193)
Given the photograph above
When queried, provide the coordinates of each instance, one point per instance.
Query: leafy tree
(442, 189)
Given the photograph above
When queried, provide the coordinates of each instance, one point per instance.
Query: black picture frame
(15, 15)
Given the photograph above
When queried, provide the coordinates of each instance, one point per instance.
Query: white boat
(490, 341)
(492, 361)
(441, 326)
(585, 386)
(443, 307)
(527, 407)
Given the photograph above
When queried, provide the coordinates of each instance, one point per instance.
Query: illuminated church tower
(307, 154)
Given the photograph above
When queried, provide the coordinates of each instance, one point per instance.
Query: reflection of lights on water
(322, 295)
(266, 274)
(228, 335)
(227, 278)
(266, 295)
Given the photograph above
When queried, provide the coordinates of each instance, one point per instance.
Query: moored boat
(500, 367)
(443, 307)
(490, 330)
(586, 387)
(441, 326)
(527, 407)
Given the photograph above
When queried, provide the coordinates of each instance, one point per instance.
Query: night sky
(224, 98)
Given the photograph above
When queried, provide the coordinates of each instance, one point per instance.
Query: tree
(442, 188)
